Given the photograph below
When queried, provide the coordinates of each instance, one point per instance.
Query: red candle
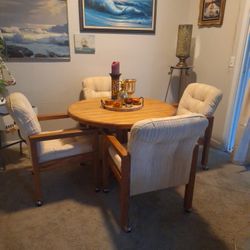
(115, 68)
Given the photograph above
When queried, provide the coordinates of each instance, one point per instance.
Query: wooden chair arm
(112, 141)
(175, 104)
(46, 117)
(58, 134)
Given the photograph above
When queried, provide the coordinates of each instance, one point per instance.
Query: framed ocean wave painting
(35, 30)
(117, 15)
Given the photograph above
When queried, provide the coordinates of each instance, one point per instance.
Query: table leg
(122, 135)
(2, 163)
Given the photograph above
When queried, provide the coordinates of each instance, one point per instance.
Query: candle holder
(115, 78)
(130, 86)
(183, 44)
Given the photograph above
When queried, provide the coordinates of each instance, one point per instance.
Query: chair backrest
(23, 114)
(199, 98)
(97, 86)
(161, 151)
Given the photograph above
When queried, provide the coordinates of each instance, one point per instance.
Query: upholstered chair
(203, 99)
(161, 153)
(50, 149)
(97, 86)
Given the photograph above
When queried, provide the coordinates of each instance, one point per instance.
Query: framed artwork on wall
(84, 44)
(35, 30)
(211, 12)
(117, 16)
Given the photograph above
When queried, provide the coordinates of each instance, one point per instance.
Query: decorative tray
(116, 105)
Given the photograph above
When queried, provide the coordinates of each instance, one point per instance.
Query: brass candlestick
(115, 78)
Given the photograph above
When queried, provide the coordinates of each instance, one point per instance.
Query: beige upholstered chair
(158, 156)
(97, 86)
(93, 87)
(53, 148)
(203, 99)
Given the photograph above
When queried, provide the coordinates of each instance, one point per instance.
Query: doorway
(240, 93)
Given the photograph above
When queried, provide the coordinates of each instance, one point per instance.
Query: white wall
(214, 47)
(53, 86)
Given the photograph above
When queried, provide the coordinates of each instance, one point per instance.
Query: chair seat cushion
(59, 148)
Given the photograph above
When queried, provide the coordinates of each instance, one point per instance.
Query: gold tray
(124, 108)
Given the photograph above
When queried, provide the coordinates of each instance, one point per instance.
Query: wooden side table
(90, 112)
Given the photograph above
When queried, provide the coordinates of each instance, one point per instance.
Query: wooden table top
(91, 112)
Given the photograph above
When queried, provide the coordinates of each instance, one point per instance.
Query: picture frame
(129, 16)
(211, 13)
(84, 44)
(35, 31)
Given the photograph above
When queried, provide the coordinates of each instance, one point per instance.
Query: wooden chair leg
(206, 143)
(124, 206)
(190, 186)
(125, 194)
(105, 177)
(122, 136)
(20, 148)
(36, 174)
(97, 173)
(105, 168)
(37, 186)
(97, 164)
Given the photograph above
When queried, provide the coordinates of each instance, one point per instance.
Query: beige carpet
(75, 217)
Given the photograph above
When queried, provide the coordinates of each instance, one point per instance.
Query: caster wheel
(205, 167)
(106, 190)
(2, 169)
(188, 210)
(97, 190)
(2, 166)
(39, 203)
(127, 229)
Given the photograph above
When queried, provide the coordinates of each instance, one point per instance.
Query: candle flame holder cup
(130, 86)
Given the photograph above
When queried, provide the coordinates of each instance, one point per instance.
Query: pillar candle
(115, 68)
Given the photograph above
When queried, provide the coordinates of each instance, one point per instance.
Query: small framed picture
(117, 16)
(211, 13)
(84, 44)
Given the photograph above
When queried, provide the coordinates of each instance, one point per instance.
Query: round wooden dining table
(91, 112)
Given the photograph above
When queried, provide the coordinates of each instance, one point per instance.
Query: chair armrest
(46, 117)
(175, 104)
(58, 134)
(112, 141)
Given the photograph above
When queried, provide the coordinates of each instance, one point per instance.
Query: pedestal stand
(114, 85)
(183, 73)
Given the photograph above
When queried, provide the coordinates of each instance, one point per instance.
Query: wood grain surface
(90, 112)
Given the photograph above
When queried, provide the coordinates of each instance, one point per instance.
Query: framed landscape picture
(35, 30)
(211, 13)
(117, 16)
